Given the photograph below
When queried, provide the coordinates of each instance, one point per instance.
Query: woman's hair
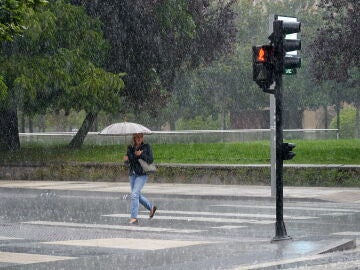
(141, 135)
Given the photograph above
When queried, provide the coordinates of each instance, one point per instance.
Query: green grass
(307, 152)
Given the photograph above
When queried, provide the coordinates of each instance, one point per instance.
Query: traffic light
(287, 151)
(285, 63)
(263, 68)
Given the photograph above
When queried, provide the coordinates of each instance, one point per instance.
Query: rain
(254, 146)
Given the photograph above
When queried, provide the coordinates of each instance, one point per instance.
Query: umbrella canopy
(125, 128)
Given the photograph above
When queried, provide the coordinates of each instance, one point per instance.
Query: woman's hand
(126, 158)
(138, 153)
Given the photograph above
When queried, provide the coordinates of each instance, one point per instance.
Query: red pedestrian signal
(261, 55)
(263, 65)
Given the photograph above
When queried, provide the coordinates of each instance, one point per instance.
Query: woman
(137, 176)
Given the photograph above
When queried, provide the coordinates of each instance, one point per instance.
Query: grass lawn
(307, 152)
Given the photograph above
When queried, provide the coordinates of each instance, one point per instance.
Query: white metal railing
(183, 136)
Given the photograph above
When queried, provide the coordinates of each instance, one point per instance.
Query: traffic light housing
(263, 68)
(285, 63)
(287, 153)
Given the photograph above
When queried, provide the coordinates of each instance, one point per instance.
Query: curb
(53, 192)
(340, 246)
(238, 174)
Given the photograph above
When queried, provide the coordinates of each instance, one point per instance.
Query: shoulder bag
(148, 168)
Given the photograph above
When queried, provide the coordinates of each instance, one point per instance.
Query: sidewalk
(238, 249)
(334, 194)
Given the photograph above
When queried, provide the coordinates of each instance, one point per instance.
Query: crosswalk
(167, 222)
(304, 208)
(200, 219)
(111, 227)
(222, 214)
(128, 243)
(28, 258)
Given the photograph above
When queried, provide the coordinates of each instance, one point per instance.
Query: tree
(12, 14)
(228, 82)
(334, 50)
(348, 117)
(223, 86)
(153, 40)
(12, 22)
(56, 65)
(335, 53)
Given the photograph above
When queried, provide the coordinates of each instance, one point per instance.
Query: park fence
(183, 136)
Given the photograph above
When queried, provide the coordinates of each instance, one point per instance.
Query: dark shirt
(135, 167)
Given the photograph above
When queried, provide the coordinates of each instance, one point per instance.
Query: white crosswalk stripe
(306, 208)
(229, 227)
(28, 258)
(129, 243)
(111, 227)
(265, 216)
(9, 238)
(347, 233)
(201, 219)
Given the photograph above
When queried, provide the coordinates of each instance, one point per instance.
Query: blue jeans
(137, 182)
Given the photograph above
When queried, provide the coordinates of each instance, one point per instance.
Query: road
(81, 229)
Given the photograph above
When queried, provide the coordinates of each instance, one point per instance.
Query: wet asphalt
(202, 231)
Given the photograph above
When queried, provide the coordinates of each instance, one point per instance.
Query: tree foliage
(12, 14)
(335, 54)
(232, 75)
(56, 65)
(12, 22)
(347, 119)
(227, 87)
(12, 17)
(152, 40)
(335, 48)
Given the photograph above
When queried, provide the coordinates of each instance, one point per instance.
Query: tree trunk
(172, 122)
(41, 122)
(79, 138)
(337, 106)
(326, 117)
(223, 120)
(357, 121)
(94, 127)
(31, 129)
(9, 132)
(22, 122)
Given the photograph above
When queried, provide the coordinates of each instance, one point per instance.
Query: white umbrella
(125, 128)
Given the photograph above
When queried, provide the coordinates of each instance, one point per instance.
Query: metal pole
(273, 145)
(272, 127)
(280, 230)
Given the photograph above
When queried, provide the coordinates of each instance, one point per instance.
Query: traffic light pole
(280, 230)
(270, 62)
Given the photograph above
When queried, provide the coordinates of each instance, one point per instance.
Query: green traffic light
(290, 71)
